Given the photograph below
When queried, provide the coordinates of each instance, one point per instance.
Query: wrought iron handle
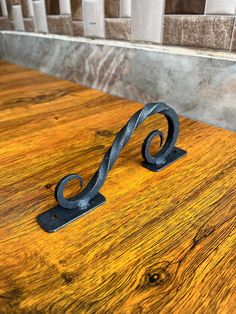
(89, 198)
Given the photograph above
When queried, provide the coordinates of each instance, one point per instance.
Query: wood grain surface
(163, 242)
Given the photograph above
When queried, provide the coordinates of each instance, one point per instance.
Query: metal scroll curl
(89, 198)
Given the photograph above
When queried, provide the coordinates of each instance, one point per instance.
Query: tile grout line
(232, 38)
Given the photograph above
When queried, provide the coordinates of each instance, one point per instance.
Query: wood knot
(48, 186)
(67, 277)
(105, 133)
(159, 277)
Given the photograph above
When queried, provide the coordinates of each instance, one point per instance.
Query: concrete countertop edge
(197, 52)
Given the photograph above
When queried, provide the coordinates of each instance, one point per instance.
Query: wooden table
(163, 242)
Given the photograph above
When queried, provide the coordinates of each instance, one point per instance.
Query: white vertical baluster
(220, 7)
(4, 8)
(125, 8)
(65, 7)
(18, 17)
(94, 18)
(147, 18)
(30, 8)
(40, 18)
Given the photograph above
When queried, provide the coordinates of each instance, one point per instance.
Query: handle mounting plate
(177, 154)
(58, 217)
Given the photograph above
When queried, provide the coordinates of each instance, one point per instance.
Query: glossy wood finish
(163, 242)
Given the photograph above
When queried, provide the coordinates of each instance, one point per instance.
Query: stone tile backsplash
(119, 28)
(233, 43)
(191, 23)
(199, 31)
(4, 23)
(61, 25)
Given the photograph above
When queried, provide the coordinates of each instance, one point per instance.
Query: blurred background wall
(191, 23)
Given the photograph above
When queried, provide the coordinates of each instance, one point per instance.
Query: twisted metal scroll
(160, 159)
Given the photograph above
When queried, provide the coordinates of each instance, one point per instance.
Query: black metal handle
(89, 198)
